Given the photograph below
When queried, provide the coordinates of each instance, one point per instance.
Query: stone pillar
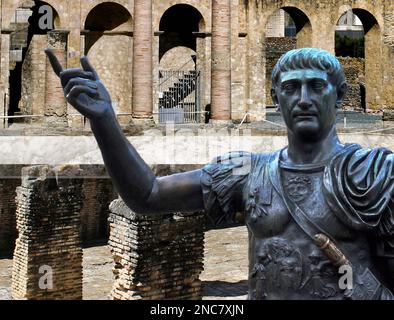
(256, 75)
(156, 257)
(388, 56)
(55, 103)
(142, 60)
(48, 254)
(74, 46)
(221, 61)
(4, 76)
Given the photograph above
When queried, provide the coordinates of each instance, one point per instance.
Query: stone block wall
(97, 193)
(156, 257)
(275, 48)
(354, 69)
(49, 202)
(112, 56)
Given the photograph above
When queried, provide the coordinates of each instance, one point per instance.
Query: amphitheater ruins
(191, 62)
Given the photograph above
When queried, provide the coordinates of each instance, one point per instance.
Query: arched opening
(358, 46)
(107, 16)
(180, 52)
(178, 24)
(30, 24)
(286, 29)
(108, 44)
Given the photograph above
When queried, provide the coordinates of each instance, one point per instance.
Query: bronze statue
(316, 188)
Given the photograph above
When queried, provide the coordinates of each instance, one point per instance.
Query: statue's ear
(341, 93)
(275, 99)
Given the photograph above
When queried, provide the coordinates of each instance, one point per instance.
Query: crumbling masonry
(48, 253)
(156, 257)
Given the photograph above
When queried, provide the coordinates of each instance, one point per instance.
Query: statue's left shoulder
(359, 186)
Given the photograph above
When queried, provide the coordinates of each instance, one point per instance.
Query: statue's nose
(305, 100)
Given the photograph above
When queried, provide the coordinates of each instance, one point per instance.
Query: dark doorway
(178, 24)
(20, 39)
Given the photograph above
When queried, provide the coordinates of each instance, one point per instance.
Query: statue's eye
(289, 87)
(318, 85)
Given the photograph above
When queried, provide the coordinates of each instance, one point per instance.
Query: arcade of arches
(230, 45)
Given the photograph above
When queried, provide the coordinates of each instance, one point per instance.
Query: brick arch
(55, 4)
(194, 4)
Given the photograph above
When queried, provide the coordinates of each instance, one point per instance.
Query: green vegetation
(349, 47)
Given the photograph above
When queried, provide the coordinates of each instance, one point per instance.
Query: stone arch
(178, 25)
(7, 20)
(106, 16)
(286, 28)
(108, 44)
(303, 26)
(373, 56)
(194, 5)
(109, 16)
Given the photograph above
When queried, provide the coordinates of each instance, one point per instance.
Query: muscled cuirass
(347, 201)
(284, 261)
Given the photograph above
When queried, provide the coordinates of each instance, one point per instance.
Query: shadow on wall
(224, 288)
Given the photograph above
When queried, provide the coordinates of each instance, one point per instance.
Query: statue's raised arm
(132, 177)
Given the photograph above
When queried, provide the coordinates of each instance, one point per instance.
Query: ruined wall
(156, 257)
(354, 69)
(98, 194)
(7, 215)
(49, 202)
(33, 79)
(275, 48)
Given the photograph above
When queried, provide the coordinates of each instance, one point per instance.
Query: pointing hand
(83, 88)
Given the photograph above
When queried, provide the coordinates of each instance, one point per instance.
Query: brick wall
(98, 194)
(7, 216)
(49, 202)
(156, 257)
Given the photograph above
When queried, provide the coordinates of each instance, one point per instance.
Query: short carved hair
(309, 58)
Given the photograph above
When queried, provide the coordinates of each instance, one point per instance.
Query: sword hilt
(333, 253)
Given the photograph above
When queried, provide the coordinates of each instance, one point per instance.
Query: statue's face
(307, 99)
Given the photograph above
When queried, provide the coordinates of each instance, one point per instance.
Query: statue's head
(308, 86)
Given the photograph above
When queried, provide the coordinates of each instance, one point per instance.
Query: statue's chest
(268, 216)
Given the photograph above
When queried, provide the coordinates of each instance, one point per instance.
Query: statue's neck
(300, 151)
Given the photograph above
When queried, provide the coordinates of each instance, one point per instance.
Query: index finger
(87, 66)
(56, 66)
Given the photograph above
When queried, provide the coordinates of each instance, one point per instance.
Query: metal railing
(179, 96)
